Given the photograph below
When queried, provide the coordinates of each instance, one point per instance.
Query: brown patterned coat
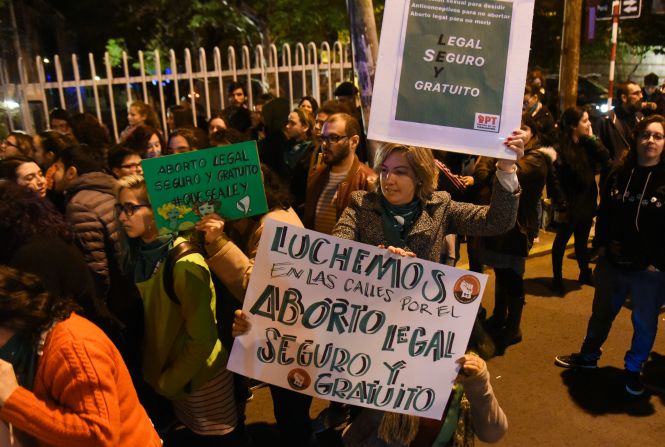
(362, 222)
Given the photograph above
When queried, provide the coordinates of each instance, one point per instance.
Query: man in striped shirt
(330, 185)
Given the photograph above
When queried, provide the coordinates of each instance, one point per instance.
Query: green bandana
(398, 220)
(151, 256)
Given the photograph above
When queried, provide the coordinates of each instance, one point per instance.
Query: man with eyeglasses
(330, 185)
(616, 129)
(324, 112)
(123, 161)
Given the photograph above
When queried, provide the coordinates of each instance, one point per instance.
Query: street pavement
(547, 405)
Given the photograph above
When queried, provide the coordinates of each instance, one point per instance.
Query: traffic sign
(629, 9)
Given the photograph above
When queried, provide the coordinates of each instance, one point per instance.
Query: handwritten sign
(460, 68)
(185, 187)
(348, 322)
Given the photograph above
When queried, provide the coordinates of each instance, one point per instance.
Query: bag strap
(175, 254)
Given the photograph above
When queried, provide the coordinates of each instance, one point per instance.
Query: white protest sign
(451, 74)
(348, 322)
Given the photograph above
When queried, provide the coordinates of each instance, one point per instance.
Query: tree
(178, 24)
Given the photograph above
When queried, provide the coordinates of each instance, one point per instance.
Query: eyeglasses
(6, 142)
(645, 136)
(334, 139)
(128, 208)
(131, 166)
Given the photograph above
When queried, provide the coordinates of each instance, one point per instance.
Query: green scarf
(151, 256)
(22, 354)
(398, 220)
(452, 418)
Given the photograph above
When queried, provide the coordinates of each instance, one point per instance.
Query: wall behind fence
(102, 88)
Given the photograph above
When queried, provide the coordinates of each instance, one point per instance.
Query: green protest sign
(454, 63)
(185, 187)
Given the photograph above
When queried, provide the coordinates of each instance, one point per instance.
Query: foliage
(115, 47)
(647, 31)
(178, 24)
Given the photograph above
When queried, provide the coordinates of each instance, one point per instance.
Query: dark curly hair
(23, 214)
(90, 131)
(26, 307)
(139, 137)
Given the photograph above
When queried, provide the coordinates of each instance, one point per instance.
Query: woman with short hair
(183, 358)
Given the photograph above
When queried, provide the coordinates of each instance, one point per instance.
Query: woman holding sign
(183, 359)
(408, 216)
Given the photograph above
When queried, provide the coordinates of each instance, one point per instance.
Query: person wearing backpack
(183, 358)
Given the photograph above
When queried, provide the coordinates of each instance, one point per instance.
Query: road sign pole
(613, 53)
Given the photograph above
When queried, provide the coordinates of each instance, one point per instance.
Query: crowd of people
(114, 334)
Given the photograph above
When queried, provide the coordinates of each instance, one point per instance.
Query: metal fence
(292, 72)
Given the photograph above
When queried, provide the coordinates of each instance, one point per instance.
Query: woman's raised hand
(240, 324)
(515, 142)
(212, 226)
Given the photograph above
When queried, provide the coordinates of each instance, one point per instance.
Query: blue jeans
(647, 290)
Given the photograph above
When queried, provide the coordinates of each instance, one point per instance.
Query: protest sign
(185, 187)
(349, 322)
(451, 73)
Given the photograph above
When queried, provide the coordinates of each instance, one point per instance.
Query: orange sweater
(83, 394)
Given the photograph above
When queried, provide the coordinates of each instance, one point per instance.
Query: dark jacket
(271, 152)
(631, 218)
(576, 170)
(359, 178)
(546, 127)
(90, 201)
(362, 221)
(615, 131)
(534, 171)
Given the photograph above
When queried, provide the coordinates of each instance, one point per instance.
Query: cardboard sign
(185, 187)
(352, 323)
(450, 74)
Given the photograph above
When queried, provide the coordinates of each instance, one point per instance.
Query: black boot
(586, 277)
(511, 333)
(495, 323)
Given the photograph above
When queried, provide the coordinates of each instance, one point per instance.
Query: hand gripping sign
(352, 323)
(451, 73)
